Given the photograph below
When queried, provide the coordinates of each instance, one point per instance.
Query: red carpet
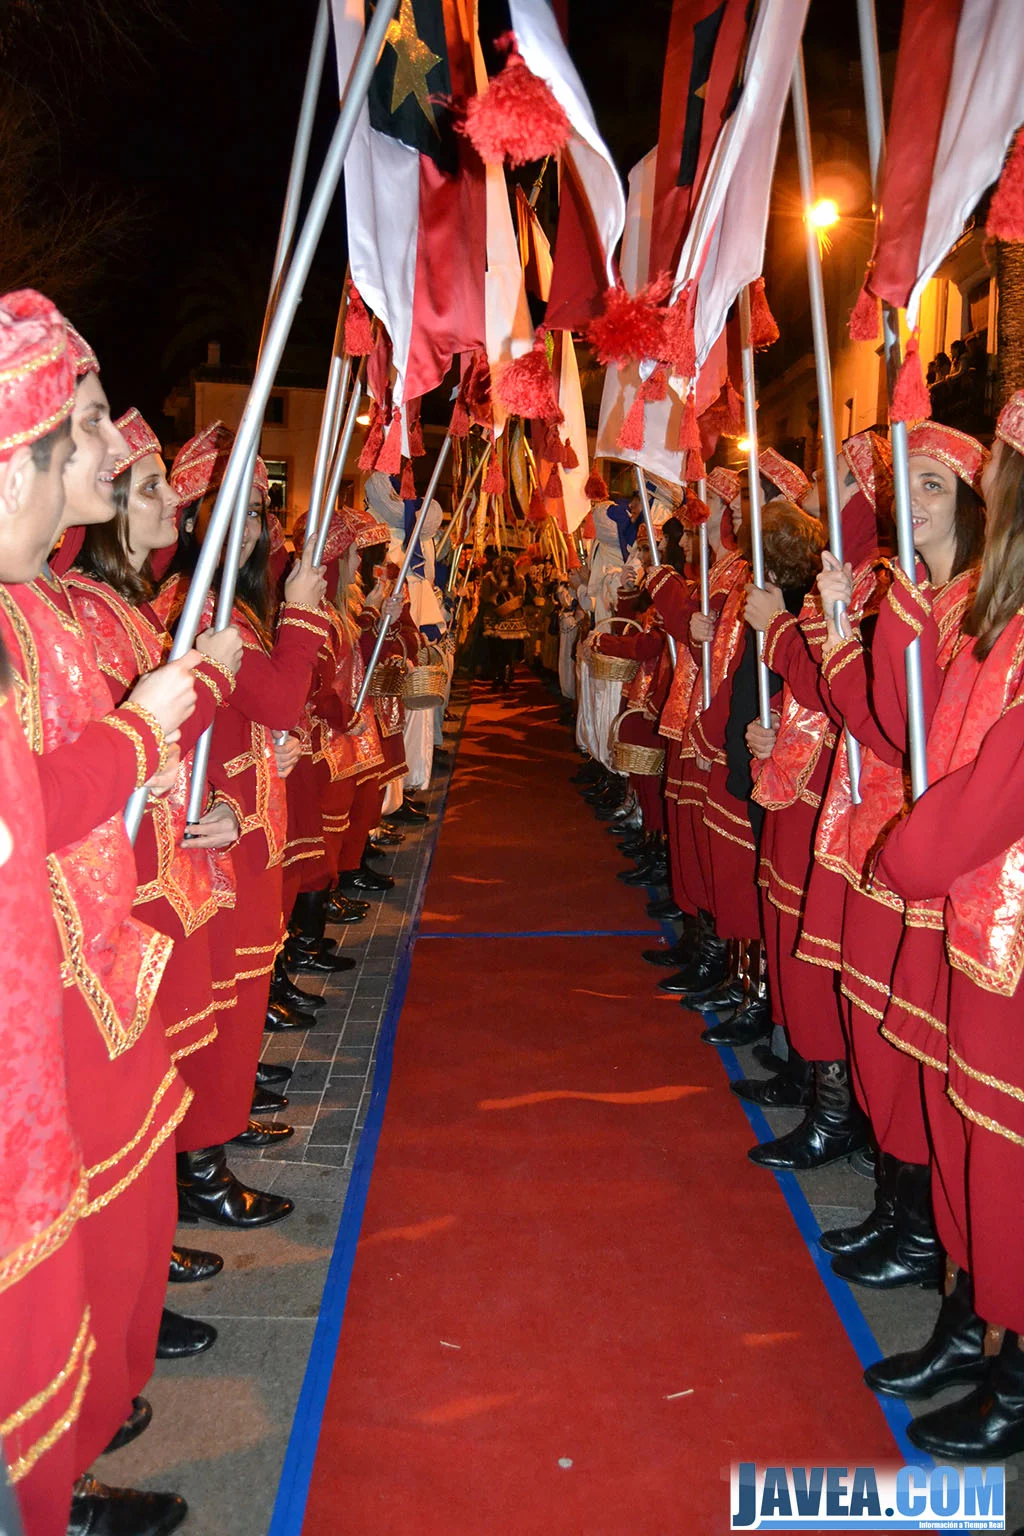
(575, 1301)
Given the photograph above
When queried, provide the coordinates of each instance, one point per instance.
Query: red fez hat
(82, 354)
(37, 375)
(790, 480)
(139, 436)
(1010, 426)
(870, 459)
(964, 455)
(725, 483)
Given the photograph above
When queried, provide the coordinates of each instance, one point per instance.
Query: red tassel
(494, 479)
(415, 428)
(569, 457)
(763, 329)
(517, 118)
(631, 435)
(911, 400)
(689, 431)
(525, 387)
(595, 488)
(389, 460)
(630, 326)
(477, 391)
(1006, 211)
(694, 512)
(537, 510)
(358, 332)
(587, 528)
(864, 321)
(656, 387)
(374, 440)
(678, 346)
(695, 466)
(407, 490)
(460, 419)
(553, 489)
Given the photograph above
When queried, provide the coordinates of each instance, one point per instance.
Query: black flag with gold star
(411, 86)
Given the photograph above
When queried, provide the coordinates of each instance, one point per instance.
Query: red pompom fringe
(689, 431)
(630, 326)
(389, 460)
(374, 440)
(553, 489)
(865, 320)
(595, 488)
(763, 330)
(526, 388)
(415, 428)
(407, 490)
(631, 434)
(656, 387)
(694, 513)
(517, 118)
(358, 331)
(911, 400)
(570, 459)
(1006, 211)
(460, 419)
(494, 479)
(587, 528)
(537, 511)
(695, 466)
(678, 346)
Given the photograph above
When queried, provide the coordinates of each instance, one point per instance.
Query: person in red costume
(958, 850)
(125, 1096)
(792, 763)
(45, 1370)
(700, 952)
(270, 692)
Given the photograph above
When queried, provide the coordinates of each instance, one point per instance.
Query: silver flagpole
(754, 478)
(485, 459)
(232, 497)
(338, 378)
(822, 361)
(410, 550)
(645, 502)
(917, 735)
(705, 596)
(338, 466)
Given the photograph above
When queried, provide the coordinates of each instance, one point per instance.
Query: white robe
(599, 700)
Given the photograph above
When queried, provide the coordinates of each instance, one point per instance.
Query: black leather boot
(282, 1017)
(987, 1424)
(907, 1252)
(209, 1191)
(784, 1090)
(183, 1336)
(952, 1356)
(834, 1126)
(262, 1133)
(853, 1239)
(665, 908)
(753, 1019)
(707, 971)
(342, 911)
(97, 1510)
(307, 949)
(266, 1102)
(284, 990)
(191, 1264)
(682, 953)
(137, 1421)
(353, 882)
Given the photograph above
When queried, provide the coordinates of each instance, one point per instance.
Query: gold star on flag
(413, 63)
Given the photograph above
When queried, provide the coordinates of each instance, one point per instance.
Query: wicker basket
(627, 757)
(613, 669)
(388, 678)
(427, 683)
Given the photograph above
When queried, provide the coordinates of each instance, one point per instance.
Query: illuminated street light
(743, 445)
(825, 213)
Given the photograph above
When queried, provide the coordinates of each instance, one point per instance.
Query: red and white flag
(724, 245)
(415, 191)
(957, 102)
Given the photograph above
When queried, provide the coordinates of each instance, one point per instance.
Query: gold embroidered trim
(309, 608)
(910, 1050)
(167, 1129)
(985, 1121)
(919, 1013)
(195, 1045)
(258, 949)
(869, 981)
(218, 666)
(842, 656)
(255, 975)
(910, 620)
(42, 1244)
(137, 740)
(31, 1408)
(129, 1146)
(314, 629)
(777, 627)
(27, 694)
(192, 1020)
(25, 1463)
(989, 1081)
(163, 750)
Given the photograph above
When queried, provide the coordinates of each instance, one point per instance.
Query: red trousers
(648, 791)
(305, 865)
(364, 813)
(732, 861)
(337, 813)
(47, 1355)
(689, 851)
(887, 1081)
(243, 946)
(125, 1112)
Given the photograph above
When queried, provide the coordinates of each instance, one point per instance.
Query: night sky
(195, 120)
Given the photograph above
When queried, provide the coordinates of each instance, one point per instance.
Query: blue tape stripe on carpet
(858, 1329)
(297, 1471)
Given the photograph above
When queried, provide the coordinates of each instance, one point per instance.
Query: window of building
(277, 469)
(274, 416)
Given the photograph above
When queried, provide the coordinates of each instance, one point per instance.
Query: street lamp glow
(744, 445)
(824, 213)
(363, 419)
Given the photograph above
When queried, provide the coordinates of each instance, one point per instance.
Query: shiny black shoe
(778, 1092)
(342, 912)
(209, 1191)
(282, 1016)
(665, 909)
(364, 880)
(266, 1102)
(180, 1336)
(668, 958)
(864, 1233)
(262, 1133)
(191, 1264)
(409, 815)
(311, 956)
(137, 1421)
(908, 1251)
(833, 1127)
(952, 1357)
(97, 1510)
(284, 990)
(720, 999)
(987, 1424)
(271, 1074)
(749, 1023)
(388, 837)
